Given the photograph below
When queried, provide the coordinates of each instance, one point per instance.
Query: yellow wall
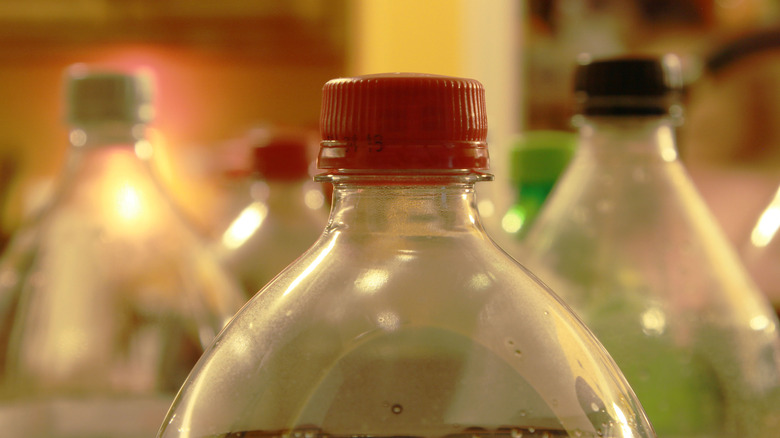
(407, 35)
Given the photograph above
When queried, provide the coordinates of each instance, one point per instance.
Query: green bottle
(537, 159)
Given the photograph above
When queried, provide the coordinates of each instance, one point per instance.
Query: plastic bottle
(629, 244)
(283, 212)
(107, 298)
(761, 251)
(537, 158)
(404, 319)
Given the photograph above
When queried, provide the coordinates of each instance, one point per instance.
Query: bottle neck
(405, 205)
(621, 139)
(107, 134)
(93, 144)
(284, 194)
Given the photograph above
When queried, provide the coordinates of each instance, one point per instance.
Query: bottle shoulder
(354, 310)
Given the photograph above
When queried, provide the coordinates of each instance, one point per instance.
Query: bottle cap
(281, 157)
(541, 156)
(399, 121)
(107, 96)
(628, 85)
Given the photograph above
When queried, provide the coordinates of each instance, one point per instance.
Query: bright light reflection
(245, 225)
(622, 420)
(486, 208)
(761, 323)
(128, 202)
(324, 253)
(479, 281)
(653, 321)
(666, 142)
(78, 137)
(767, 226)
(406, 256)
(512, 222)
(371, 280)
(388, 321)
(143, 149)
(314, 199)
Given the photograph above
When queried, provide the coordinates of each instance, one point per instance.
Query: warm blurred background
(224, 68)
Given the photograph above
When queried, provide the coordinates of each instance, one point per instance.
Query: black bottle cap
(628, 86)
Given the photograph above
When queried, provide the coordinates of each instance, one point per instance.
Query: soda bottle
(630, 245)
(107, 298)
(283, 210)
(404, 318)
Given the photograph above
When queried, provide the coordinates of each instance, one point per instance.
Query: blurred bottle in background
(7, 175)
(629, 244)
(282, 209)
(106, 298)
(761, 251)
(537, 159)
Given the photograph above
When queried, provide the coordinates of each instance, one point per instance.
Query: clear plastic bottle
(761, 251)
(404, 318)
(626, 240)
(284, 214)
(107, 298)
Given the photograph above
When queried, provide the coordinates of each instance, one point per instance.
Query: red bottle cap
(401, 121)
(282, 158)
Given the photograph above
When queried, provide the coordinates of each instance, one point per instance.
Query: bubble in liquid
(531, 429)
(516, 433)
(518, 353)
(397, 409)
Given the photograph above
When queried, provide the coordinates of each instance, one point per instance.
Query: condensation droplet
(594, 406)
(531, 429)
(397, 409)
(518, 353)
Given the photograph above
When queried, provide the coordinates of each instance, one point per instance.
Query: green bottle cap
(541, 156)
